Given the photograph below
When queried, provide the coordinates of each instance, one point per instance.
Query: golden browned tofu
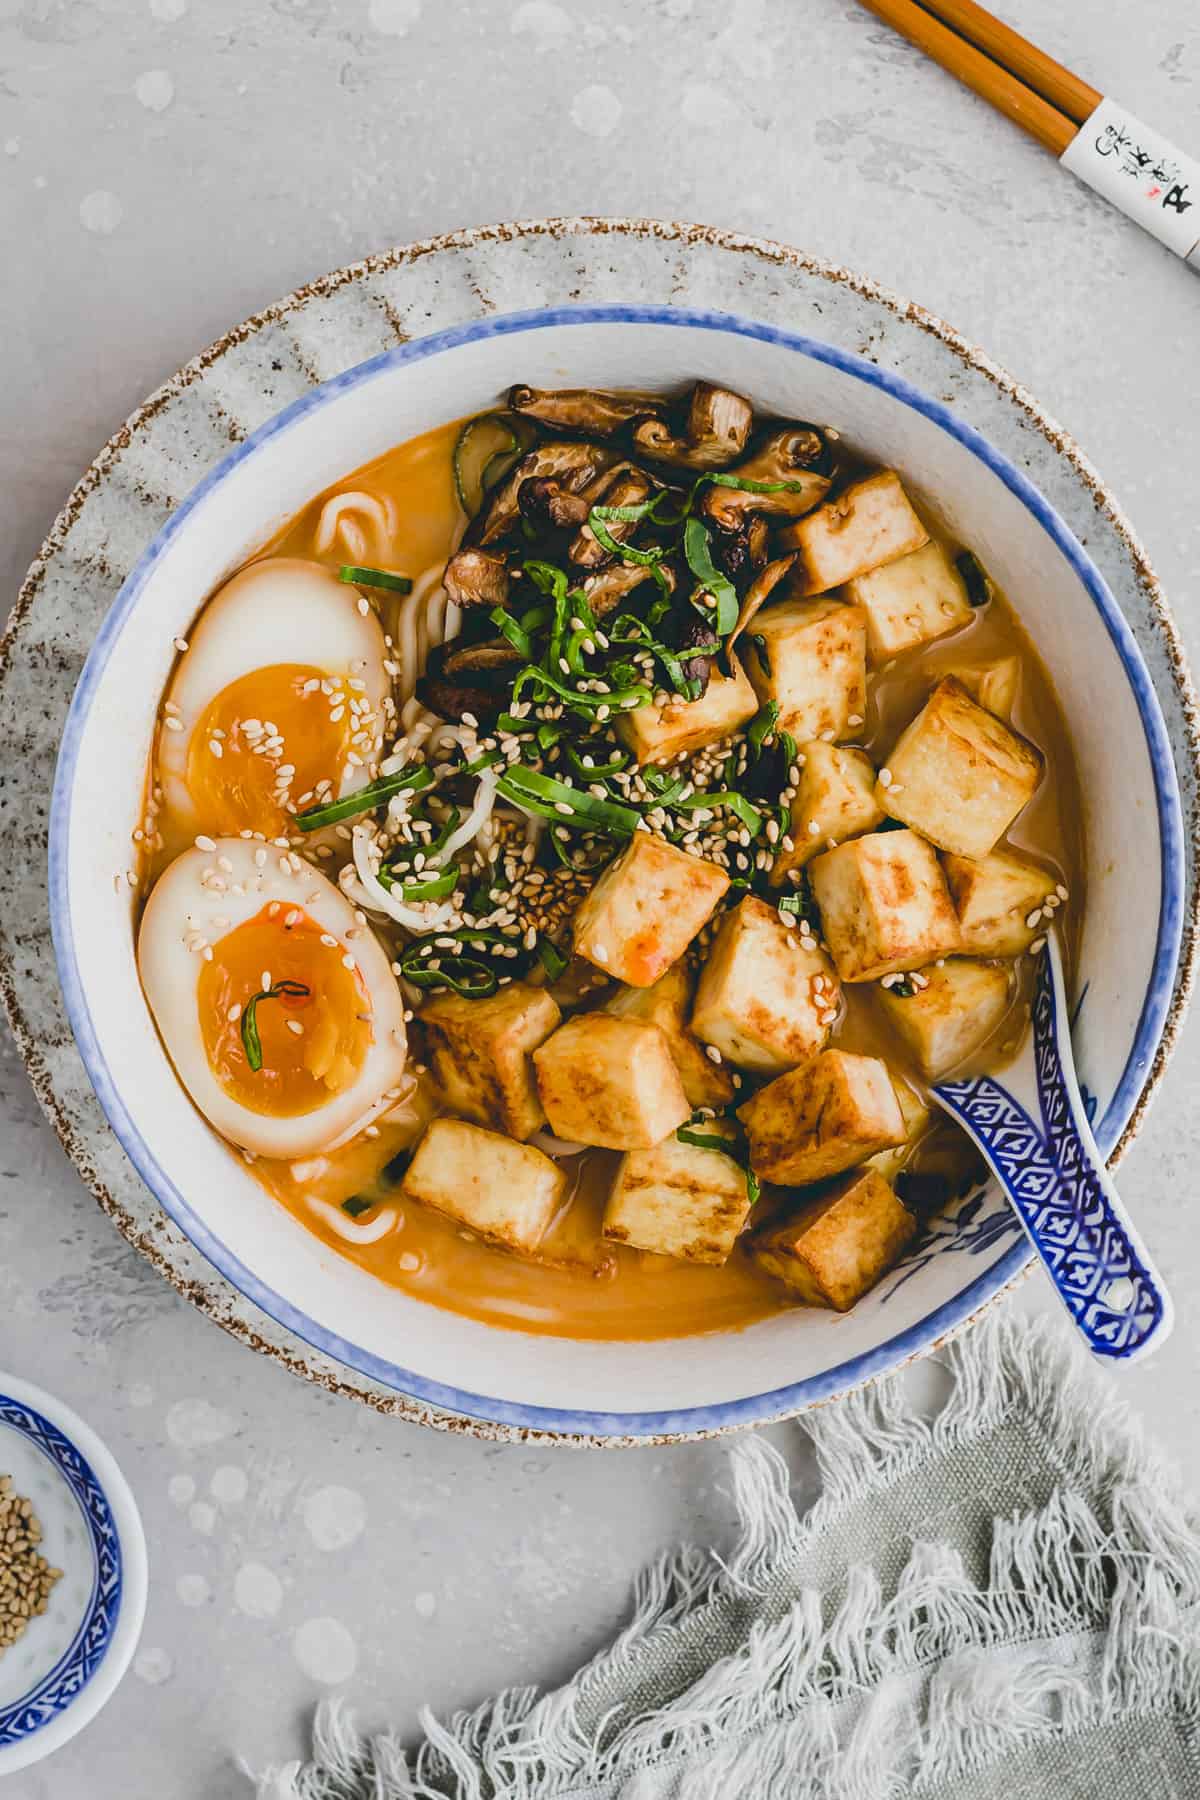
(835, 800)
(610, 1082)
(911, 601)
(507, 1192)
(884, 905)
(817, 1120)
(999, 901)
(958, 774)
(668, 1005)
(869, 523)
(994, 684)
(947, 1012)
(916, 1116)
(810, 657)
(763, 1000)
(839, 1245)
(655, 734)
(678, 1200)
(645, 909)
(480, 1054)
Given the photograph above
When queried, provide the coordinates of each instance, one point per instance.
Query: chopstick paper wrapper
(1139, 171)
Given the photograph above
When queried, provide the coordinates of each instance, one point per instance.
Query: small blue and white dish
(68, 1662)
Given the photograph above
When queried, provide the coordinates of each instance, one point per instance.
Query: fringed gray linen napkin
(994, 1605)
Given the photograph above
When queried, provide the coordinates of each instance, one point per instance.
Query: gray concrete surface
(166, 168)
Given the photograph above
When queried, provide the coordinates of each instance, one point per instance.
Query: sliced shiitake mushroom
(548, 505)
(572, 464)
(476, 578)
(605, 591)
(758, 593)
(715, 431)
(460, 679)
(800, 455)
(580, 409)
(625, 485)
(700, 645)
(744, 551)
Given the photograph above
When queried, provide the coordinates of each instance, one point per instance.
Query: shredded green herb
(564, 804)
(356, 1205)
(251, 1042)
(698, 553)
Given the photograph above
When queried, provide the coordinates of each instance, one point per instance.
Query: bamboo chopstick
(1007, 47)
(988, 79)
(1097, 139)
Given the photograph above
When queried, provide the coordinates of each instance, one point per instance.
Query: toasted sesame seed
(885, 778)
(712, 1053)
(295, 1027)
(172, 723)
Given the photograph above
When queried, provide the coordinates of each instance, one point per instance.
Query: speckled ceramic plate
(185, 430)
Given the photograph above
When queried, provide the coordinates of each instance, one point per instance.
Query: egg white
(196, 901)
(283, 610)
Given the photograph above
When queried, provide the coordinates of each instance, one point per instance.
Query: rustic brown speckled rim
(685, 236)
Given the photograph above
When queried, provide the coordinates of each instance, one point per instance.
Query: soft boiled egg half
(278, 703)
(277, 1005)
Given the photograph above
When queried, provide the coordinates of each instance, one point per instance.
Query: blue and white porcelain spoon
(1034, 1133)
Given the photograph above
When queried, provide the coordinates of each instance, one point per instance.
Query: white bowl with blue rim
(1134, 847)
(67, 1663)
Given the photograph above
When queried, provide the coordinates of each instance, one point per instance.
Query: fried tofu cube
(949, 1013)
(869, 523)
(995, 899)
(840, 1244)
(763, 1000)
(911, 601)
(479, 1052)
(958, 774)
(507, 1192)
(656, 734)
(916, 1115)
(994, 684)
(668, 1005)
(810, 657)
(822, 1118)
(884, 905)
(645, 909)
(610, 1082)
(835, 800)
(678, 1200)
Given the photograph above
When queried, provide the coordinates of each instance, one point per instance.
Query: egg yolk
(270, 744)
(278, 992)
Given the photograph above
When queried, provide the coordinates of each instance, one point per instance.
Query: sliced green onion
(581, 860)
(551, 957)
(357, 1205)
(427, 967)
(636, 692)
(599, 771)
(735, 1148)
(251, 1042)
(510, 628)
(764, 655)
(732, 802)
(435, 887)
(375, 578)
(697, 550)
(486, 761)
(762, 725)
(411, 780)
(542, 795)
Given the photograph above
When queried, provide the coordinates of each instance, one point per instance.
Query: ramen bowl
(510, 1380)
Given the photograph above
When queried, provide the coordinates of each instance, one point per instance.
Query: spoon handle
(1055, 1178)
